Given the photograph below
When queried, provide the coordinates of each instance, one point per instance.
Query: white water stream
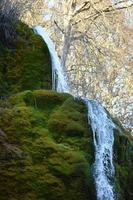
(101, 124)
(102, 127)
(59, 82)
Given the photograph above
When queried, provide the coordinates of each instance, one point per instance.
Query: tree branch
(110, 8)
(59, 27)
(82, 8)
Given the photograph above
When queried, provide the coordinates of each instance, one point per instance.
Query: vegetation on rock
(24, 61)
(41, 158)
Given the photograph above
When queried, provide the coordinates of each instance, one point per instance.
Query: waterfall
(59, 82)
(102, 127)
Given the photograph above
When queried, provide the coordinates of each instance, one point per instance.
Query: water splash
(59, 82)
(101, 124)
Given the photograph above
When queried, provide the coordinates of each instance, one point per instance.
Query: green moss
(26, 64)
(38, 163)
(43, 98)
(69, 119)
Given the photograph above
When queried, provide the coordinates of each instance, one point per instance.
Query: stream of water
(59, 82)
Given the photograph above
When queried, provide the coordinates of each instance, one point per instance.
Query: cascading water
(59, 82)
(101, 124)
(102, 127)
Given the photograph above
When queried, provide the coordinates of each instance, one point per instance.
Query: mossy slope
(46, 152)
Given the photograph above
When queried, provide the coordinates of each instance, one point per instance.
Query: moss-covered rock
(45, 161)
(46, 149)
(25, 63)
(71, 118)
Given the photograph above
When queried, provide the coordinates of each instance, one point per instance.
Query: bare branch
(59, 27)
(109, 9)
(83, 7)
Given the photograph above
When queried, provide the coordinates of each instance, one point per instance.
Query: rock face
(46, 144)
